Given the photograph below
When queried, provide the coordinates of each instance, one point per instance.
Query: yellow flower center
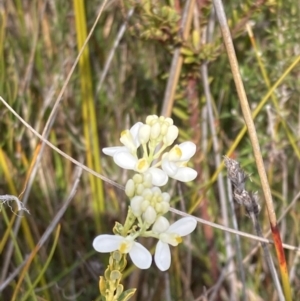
(142, 165)
(125, 246)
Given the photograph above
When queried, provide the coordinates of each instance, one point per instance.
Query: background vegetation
(39, 43)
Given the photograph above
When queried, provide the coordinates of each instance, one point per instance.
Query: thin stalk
(177, 61)
(238, 243)
(268, 256)
(255, 144)
(221, 188)
(113, 50)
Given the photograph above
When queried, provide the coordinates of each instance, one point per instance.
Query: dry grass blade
(58, 150)
(177, 61)
(255, 145)
(48, 231)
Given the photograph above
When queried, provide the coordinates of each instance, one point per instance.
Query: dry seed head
(238, 179)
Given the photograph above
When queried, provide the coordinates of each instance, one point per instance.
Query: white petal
(125, 160)
(111, 151)
(128, 141)
(184, 174)
(184, 226)
(107, 243)
(169, 167)
(147, 179)
(162, 256)
(159, 177)
(175, 154)
(188, 149)
(140, 256)
(135, 133)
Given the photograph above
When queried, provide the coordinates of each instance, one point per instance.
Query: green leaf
(180, 113)
(196, 39)
(102, 286)
(190, 60)
(186, 51)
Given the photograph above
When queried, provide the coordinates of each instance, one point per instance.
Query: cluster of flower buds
(148, 204)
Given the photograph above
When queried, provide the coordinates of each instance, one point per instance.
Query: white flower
(139, 255)
(125, 156)
(170, 235)
(174, 162)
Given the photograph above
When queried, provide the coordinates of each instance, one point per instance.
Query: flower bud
(156, 190)
(155, 131)
(129, 188)
(137, 178)
(149, 215)
(151, 119)
(144, 205)
(169, 121)
(158, 207)
(171, 135)
(166, 197)
(135, 204)
(147, 180)
(161, 225)
(164, 128)
(139, 189)
(164, 208)
(144, 133)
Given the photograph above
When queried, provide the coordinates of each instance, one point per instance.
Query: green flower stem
(130, 220)
(110, 287)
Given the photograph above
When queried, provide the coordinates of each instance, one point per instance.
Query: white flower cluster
(148, 203)
(154, 137)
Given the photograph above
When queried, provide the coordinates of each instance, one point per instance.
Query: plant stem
(255, 144)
